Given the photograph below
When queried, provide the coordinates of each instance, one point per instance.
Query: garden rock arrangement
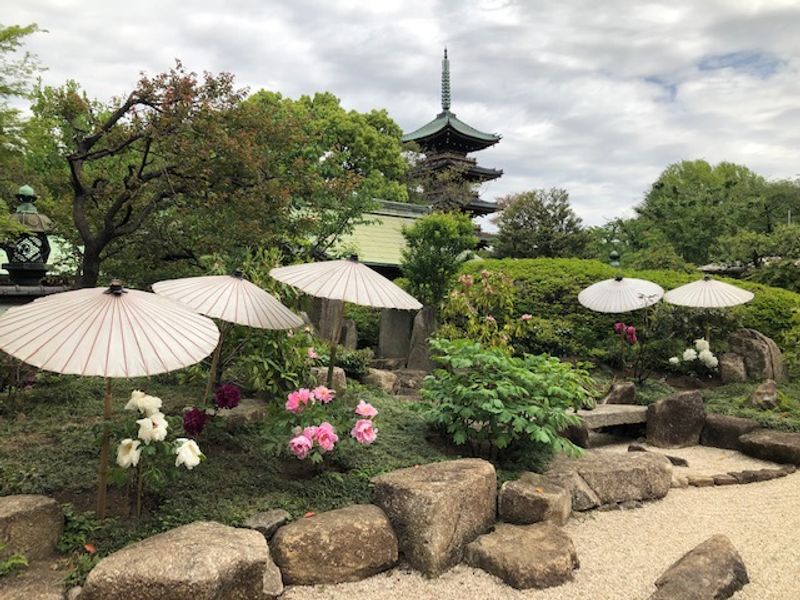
(676, 421)
(525, 556)
(437, 509)
(740, 477)
(722, 431)
(761, 355)
(609, 479)
(775, 446)
(765, 396)
(533, 498)
(386, 380)
(732, 368)
(713, 570)
(320, 375)
(268, 522)
(347, 544)
(199, 561)
(621, 392)
(29, 525)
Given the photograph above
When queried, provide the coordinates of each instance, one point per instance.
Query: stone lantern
(28, 254)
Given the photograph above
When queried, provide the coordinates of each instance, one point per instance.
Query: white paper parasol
(346, 280)
(230, 298)
(708, 293)
(621, 294)
(107, 332)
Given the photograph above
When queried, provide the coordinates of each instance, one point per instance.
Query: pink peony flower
(310, 432)
(326, 436)
(298, 399)
(300, 446)
(630, 335)
(312, 354)
(323, 394)
(526, 317)
(619, 328)
(365, 409)
(364, 432)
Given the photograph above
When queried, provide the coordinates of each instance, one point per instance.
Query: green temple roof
(448, 131)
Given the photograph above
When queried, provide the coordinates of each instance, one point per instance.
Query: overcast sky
(595, 97)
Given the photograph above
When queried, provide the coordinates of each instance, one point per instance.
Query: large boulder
(320, 375)
(327, 315)
(621, 392)
(711, 571)
(347, 544)
(248, 412)
(765, 396)
(199, 561)
(762, 357)
(394, 335)
(348, 337)
(613, 478)
(386, 380)
(676, 421)
(533, 498)
(722, 431)
(438, 508)
(419, 356)
(525, 556)
(732, 368)
(29, 525)
(776, 446)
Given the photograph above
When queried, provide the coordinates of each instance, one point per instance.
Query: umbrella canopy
(620, 294)
(708, 293)
(346, 280)
(231, 298)
(107, 332)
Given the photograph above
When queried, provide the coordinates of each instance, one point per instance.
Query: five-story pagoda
(445, 142)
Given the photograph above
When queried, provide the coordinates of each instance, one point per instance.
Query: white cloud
(597, 98)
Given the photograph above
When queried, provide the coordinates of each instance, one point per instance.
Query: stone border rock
(741, 477)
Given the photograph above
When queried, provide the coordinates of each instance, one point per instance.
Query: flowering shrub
(315, 421)
(227, 396)
(696, 360)
(151, 442)
(484, 397)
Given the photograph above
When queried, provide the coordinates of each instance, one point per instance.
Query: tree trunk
(90, 268)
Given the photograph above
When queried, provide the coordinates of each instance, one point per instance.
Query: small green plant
(354, 362)
(488, 399)
(15, 562)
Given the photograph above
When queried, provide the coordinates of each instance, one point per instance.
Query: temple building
(445, 167)
(445, 143)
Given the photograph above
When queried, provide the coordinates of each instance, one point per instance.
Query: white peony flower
(147, 405)
(153, 428)
(674, 360)
(701, 345)
(128, 453)
(689, 354)
(188, 452)
(708, 359)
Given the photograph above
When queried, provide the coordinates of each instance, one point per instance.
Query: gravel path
(623, 552)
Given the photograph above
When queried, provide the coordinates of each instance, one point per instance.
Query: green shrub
(488, 399)
(548, 289)
(354, 362)
(367, 320)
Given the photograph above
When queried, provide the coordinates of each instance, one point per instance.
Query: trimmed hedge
(548, 288)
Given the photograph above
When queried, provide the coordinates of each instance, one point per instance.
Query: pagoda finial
(445, 82)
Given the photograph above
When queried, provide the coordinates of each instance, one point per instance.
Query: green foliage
(539, 223)
(79, 530)
(488, 399)
(15, 562)
(733, 399)
(367, 322)
(354, 362)
(436, 246)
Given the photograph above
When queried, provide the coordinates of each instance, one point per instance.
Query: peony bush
(697, 360)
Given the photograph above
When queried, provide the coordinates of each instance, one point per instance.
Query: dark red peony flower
(630, 335)
(194, 420)
(227, 396)
(619, 328)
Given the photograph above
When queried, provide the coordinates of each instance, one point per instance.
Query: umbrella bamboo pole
(336, 330)
(105, 449)
(212, 374)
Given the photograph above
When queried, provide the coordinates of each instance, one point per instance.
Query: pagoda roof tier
(469, 167)
(477, 207)
(447, 132)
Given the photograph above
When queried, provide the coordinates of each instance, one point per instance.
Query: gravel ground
(623, 552)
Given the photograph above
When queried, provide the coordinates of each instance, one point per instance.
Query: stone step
(606, 415)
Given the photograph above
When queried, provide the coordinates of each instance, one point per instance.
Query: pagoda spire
(445, 82)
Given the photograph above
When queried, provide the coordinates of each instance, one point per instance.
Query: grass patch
(733, 400)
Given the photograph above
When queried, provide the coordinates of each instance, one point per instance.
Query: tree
(436, 246)
(539, 223)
